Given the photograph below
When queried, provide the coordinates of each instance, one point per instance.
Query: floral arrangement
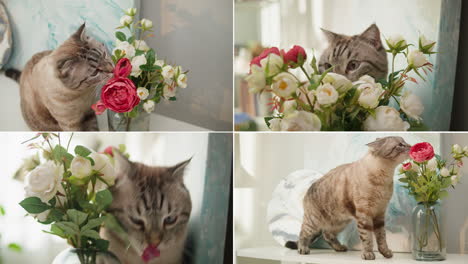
(70, 193)
(140, 80)
(329, 101)
(427, 178)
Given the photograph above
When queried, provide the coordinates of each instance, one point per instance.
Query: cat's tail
(291, 245)
(13, 74)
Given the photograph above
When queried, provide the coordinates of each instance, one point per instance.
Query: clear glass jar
(79, 256)
(428, 237)
(121, 121)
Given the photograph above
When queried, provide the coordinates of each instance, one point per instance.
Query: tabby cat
(153, 205)
(355, 56)
(360, 190)
(58, 87)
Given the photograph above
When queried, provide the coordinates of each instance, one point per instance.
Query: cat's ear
(372, 35)
(331, 36)
(80, 34)
(377, 144)
(122, 164)
(178, 170)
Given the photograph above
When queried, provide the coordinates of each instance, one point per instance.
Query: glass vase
(428, 236)
(122, 121)
(80, 256)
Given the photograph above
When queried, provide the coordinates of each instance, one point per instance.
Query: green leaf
(150, 57)
(103, 199)
(54, 216)
(93, 223)
(139, 52)
(102, 245)
(90, 233)
(60, 154)
(443, 194)
(82, 151)
(172, 98)
(268, 119)
(54, 230)
(68, 228)
(34, 205)
(15, 247)
(131, 40)
(122, 148)
(76, 216)
(120, 36)
(114, 225)
(2, 210)
(403, 180)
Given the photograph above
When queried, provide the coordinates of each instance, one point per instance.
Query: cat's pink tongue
(150, 253)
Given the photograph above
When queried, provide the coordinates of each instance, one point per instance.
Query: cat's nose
(107, 67)
(155, 239)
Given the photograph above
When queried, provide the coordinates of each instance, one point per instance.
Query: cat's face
(391, 148)
(355, 56)
(83, 62)
(151, 203)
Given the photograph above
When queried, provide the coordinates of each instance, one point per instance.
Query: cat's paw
(368, 255)
(340, 248)
(386, 252)
(303, 250)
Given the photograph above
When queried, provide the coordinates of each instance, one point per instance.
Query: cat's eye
(137, 222)
(95, 73)
(352, 65)
(327, 66)
(170, 220)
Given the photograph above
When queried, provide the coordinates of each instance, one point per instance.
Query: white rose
(457, 149)
(126, 20)
(274, 62)
(370, 96)
(168, 72)
(142, 93)
(126, 48)
(326, 94)
(465, 150)
(159, 63)
(256, 79)
(275, 124)
(444, 172)
(411, 105)
(284, 85)
(367, 79)
(81, 167)
(340, 82)
(169, 91)
(141, 45)
(454, 180)
(146, 23)
(44, 181)
(103, 164)
(426, 43)
(387, 119)
(131, 11)
(417, 58)
(289, 107)
(394, 40)
(414, 167)
(301, 121)
(182, 81)
(432, 164)
(149, 106)
(136, 63)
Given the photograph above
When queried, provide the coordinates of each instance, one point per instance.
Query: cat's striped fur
(355, 56)
(360, 190)
(58, 87)
(154, 207)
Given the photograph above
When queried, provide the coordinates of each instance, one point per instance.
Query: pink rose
(265, 54)
(407, 166)
(123, 68)
(295, 57)
(109, 150)
(422, 152)
(119, 95)
(99, 108)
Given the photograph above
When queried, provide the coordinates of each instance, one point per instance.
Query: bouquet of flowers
(329, 101)
(70, 193)
(427, 178)
(140, 79)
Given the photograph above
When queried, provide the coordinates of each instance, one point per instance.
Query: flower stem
(306, 74)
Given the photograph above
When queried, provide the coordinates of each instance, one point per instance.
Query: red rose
(421, 152)
(119, 95)
(265, 53)
(123, 68)
(407, 166)
(99, 108)
(295, 57)
(150, 253)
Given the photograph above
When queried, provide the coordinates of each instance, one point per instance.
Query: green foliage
(82, 151)
(103, 199)
(120, 36)
(15, 247)
(34, 205)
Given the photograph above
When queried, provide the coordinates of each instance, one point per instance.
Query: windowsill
(325, 256)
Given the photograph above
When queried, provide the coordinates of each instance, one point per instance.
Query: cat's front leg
(380, 236)
(365, 227)
(308, 231)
